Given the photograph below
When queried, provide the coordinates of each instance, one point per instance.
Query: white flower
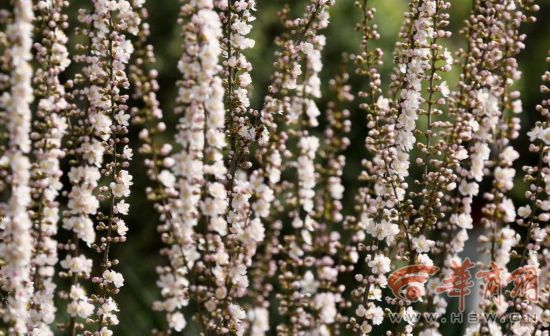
(78, 265)
(219, 225)
(102, 125)
(77, 293)
(122, 228)
(507, 206)
(535, 133)
(374, 313)
(259, 320)
(468, 189)
(422, 245)
(82, 309)
(122, 207)
(524, 211)
(463, 220)
(167, 179)
(410, 316)
(256, 230)
(505, 177)
(82, 201)
(461, 154)
(83, 226)
(309, 284)
(108, 306)
(113, 277)
(383, 103)
(380, 264)
(236, 312)
(479, 157)
(122, 118)
(444, 89)
(93, 152)
(306, 171)
(509, 154)
(520, 328)
(217, 190)
(105, 332)
(424, 259)
(245, 80)
(312, 111)
(545, 136)
(127, 153)
(120, 190)
(177, 321)
(326, 304)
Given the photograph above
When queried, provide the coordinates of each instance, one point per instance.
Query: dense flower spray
(381, 189)
(199, 218)
(49, 129)
(100, 123)
(16, 238)
(533, 216)
(288, 113)
(158, 161)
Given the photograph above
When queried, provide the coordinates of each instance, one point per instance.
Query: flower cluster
(288, 113)
(101, 155)
(16, 240)
(199, 171)
(50, 128)
(415, 65)
(533, 216)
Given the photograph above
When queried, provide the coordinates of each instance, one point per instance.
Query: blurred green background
(139, 255)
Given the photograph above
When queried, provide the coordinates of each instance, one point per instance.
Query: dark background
(139, 255)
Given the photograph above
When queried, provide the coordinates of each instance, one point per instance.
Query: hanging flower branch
(49, 129)
(201, 171)
(100, 150)
(16, 239)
